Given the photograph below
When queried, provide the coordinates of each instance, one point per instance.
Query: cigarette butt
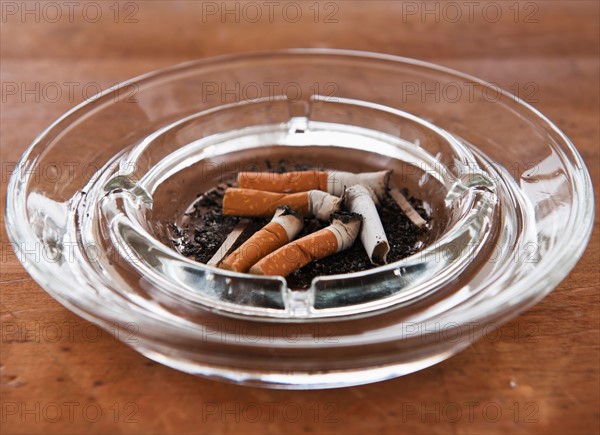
(322, 204)
(288, 182)
(333, 182)
(360, 200)
(257, 203)
(408, 209)
(283, 228)
(377, 182)
(228, 243)
(336, 237)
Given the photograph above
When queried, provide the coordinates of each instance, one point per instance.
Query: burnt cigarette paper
(333, 182)
(338, 236)
(283, 228)
(258, 203)
(359, 199)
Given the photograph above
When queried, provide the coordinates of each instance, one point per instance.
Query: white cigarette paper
(322, 204)
(359, 199)
(376, 181)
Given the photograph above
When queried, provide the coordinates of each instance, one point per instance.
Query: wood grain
(537, 374)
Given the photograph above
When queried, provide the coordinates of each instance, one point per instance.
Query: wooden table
(538, 374)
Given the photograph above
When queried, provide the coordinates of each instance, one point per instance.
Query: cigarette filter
(257, 203)
(287, 182)
(336, 237)
(333, 182)
(360, 200)
(283, 228)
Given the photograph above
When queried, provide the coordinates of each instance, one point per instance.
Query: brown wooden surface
(537, 374)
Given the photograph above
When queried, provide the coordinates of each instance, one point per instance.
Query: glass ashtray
(510, 207)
